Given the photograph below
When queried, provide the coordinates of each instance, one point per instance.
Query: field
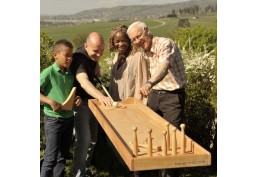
(160, 27)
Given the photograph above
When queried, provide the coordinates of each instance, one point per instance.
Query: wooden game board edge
(199, 148)
(178, 161)
(123, 149)
(138, 163)
(204, 153)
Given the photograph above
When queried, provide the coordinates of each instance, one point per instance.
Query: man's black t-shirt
(82, 63)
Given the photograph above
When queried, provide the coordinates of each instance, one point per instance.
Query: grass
(70, 32)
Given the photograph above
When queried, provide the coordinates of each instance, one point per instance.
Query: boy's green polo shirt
(57, 85)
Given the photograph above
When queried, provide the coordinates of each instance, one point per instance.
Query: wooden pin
(149, 143)
(135, 142)
(182, 138)
(164, 143)
(174, 144)
(168, 137)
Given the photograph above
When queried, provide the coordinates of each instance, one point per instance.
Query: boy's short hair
(56, 47)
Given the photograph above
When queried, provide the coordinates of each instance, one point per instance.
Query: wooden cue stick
(104, 88)
(107, 93)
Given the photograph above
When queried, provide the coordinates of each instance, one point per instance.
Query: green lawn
(69, 32)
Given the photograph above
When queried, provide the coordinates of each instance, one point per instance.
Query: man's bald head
(94, 45)
(95, 37)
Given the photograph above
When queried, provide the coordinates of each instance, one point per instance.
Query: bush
(198, 38)
(200, 108)
(171, 16)
(183, 23)
(46, 44)
(79, 39)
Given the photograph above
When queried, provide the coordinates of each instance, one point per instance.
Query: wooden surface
(68, 103)
(118, 124)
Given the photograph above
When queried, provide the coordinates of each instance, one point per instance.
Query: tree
(171, 16)
(46, 44)
(183, 23)
(198, 48)
(79, 39)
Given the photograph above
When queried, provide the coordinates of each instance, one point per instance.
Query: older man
(165, 89)
(84, 67)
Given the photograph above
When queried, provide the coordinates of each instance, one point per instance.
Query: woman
(128, 72)
(129, 68)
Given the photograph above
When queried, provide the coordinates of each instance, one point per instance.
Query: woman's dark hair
(118, 28)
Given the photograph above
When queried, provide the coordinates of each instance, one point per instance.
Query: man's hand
(105, 100)
(145, 89)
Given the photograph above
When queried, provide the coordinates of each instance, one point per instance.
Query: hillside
(134, 12)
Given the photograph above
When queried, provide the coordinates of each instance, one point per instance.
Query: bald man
(84, 67)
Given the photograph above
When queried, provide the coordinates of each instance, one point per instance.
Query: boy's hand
(77, 101)
(57, 107)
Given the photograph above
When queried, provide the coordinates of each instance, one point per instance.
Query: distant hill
(136, 11)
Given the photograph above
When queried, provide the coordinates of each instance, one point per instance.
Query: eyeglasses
(138, 36)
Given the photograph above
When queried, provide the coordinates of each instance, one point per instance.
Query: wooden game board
(120, 125)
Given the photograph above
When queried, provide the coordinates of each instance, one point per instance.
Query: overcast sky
(66, 7)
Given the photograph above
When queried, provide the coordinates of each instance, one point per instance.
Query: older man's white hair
(136, 26)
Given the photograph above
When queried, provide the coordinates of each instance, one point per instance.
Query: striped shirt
(165, 50)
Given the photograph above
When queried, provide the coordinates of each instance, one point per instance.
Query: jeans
(170, 106)
(86, 129)
(58, 133)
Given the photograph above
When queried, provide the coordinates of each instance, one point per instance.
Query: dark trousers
(58, 133)
(169, 105)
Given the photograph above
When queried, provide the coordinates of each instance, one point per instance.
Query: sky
(67, 7)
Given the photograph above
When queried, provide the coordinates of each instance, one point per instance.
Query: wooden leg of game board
(149, 143)
(164, 143)
(168, 136)
(182, 138)
(174, 145)
(135, 142)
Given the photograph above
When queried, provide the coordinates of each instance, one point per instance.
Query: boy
(56, 82)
